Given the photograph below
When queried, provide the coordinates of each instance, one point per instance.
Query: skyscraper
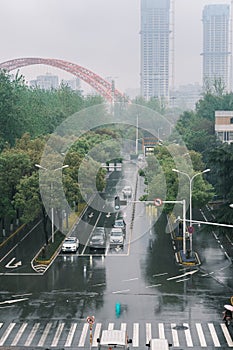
(216, 50)
(155, 48)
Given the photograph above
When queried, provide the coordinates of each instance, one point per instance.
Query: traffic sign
(90, 319)
(190, 229)
(158, 202)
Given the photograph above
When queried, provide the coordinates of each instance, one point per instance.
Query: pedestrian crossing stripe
(75, 334)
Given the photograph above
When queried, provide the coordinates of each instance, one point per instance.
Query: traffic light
(117, 202)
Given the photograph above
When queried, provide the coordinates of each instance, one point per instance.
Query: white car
(116, 238)
(127, 192)
(70, 245)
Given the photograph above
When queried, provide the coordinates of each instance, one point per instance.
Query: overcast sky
(101, 35)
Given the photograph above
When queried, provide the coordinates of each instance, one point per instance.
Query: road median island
(48, 253)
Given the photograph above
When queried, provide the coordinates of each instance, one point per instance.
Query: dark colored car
(98, 239)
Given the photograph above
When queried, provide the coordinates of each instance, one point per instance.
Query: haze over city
(102, 36)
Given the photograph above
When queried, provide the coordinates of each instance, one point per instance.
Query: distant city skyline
(101, 35)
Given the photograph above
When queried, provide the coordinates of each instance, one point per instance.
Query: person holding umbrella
(227, 314)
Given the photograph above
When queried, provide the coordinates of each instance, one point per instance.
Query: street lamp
(190, 196)
(51, 187)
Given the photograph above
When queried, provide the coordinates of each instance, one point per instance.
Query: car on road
(158, 344)
(127, 192)
(98, 239)
(116, 238)
(114, 339)
(120, 222)
(70, 245)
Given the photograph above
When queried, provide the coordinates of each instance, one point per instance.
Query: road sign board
(190, 229)
(158, 202)
(90, 319)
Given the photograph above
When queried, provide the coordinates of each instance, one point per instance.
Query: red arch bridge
(103, 87)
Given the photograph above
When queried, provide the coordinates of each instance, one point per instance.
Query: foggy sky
(101, 35)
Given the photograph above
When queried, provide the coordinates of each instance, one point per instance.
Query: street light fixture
(190, 196)
(51, 188)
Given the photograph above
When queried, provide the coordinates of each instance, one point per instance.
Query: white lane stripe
(1, 324)
(19, 334)
(175, 337)
(83, 335)
(32, 334)
(70, 335)
(44, 334)
(96, 334)
(161, 331)
(58, 334)
(188, 335)
(110, 326)
(201, 335)
(214, 335)
(148, 332)
(6, 333)
(135, 340)
(227, 335)
(123, 326)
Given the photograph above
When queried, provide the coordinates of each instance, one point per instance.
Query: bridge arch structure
(103, 87)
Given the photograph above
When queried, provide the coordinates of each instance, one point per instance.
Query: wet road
(140, 287)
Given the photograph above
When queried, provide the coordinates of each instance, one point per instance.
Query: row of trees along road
(28, 116)
(197, 129)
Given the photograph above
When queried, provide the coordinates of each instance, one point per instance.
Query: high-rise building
(216, 45)
(46, 82)
(155, 48)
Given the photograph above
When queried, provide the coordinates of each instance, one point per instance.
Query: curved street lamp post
(51, 187)
(190, 197)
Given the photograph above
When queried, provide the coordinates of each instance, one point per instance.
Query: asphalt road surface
(140, 288)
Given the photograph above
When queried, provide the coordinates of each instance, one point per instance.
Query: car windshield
(70, 240)
(119, 223)
(97, 239)
(98, 233)
(117, 233)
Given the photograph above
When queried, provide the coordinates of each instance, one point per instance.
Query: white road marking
(44, 334)
(110, 326)
(96, 334)
(214, 335)
(32, 334)
(160, 274)
(19, 334)
(131, 279)
(6, 333)
(161, 331)
(83, 335)
(9, 266)
(188, 335)
(58, 334)
(201, 335)
(175, 337)
(183, 275)
(154, 285)
(148, 332)
(227, 335)
(12, 301)
(71, 335)
(135, 340)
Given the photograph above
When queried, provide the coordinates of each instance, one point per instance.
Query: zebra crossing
(57, 334)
